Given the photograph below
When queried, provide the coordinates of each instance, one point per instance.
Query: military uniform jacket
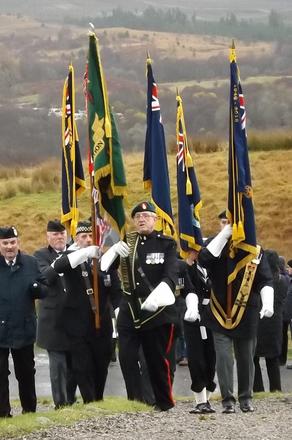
(196, 281)
(217, 271)
(50, 335)
(270, 331)
(153, 261)
(17, 301)
(78, 320)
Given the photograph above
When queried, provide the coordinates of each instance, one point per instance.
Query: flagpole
(94, 268)
(93, 217)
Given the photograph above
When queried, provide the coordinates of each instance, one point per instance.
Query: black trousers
(273, 370)
(284, 351)
(201, 357)
(24, 367)
(90, 358)
(157, 345)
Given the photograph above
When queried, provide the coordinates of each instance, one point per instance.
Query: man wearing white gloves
(90, 348)
(252, 298)
(199, 339)
(147, 312)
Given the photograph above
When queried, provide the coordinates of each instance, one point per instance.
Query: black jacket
(50, 334)
(156, 256)
(287, 307)
(19, 287)
(217, 271)
(269, 338)
(78, 320)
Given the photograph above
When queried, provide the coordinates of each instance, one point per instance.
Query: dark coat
(78, 320)
(287, 307)
(50, 335)
(269, 339)
(19, 287)
(217, 271)
(155, 254)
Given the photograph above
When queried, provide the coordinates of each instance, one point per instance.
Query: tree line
(176, 20)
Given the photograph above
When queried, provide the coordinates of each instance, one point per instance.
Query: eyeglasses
(145, 215)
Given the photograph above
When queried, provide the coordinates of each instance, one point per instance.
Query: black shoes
(246, 407)
(160, 409)
(203, 408)
(229, 408)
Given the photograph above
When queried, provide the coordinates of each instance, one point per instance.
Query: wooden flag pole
(94, 260)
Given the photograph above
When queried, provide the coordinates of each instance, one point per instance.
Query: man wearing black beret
(21, 283)
(50, 335)
(147, 311)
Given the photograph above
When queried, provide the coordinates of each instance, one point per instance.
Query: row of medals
(155, 258)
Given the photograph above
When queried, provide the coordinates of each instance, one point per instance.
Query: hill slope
(272, 185)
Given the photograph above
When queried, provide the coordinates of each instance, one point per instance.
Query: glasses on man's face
(145, 215)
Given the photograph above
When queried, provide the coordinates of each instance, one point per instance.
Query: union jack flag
(156, 177)
(240, 201)
(102, 226)
(189, 200)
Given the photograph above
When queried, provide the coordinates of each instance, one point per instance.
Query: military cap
(55, 226)
(84, 226)
(222, 215)
(142, 207)
(8, 232)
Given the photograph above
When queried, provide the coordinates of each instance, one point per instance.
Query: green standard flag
(105, 149)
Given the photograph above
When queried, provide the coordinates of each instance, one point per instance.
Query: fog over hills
(62, 10)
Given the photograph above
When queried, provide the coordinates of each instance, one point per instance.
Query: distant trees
(175, 20)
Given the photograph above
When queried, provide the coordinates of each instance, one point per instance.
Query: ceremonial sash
(241, 299)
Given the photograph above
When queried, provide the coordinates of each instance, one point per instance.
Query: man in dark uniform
(199, 339)
(90, 348)
(253, 282)
(147, 312)
(21, 283)
(50, 335)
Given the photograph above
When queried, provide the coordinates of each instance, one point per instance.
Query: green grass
(27, 423)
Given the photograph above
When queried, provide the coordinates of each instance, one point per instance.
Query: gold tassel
(240, 231)
(189, 190)
(234, 232)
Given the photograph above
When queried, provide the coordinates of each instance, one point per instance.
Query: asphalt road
(115, 384)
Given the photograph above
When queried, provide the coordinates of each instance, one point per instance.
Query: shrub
(7, 191)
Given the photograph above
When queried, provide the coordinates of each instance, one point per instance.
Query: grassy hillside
(32, 196)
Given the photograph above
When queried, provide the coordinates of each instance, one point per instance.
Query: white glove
(120, 248)
(161, 296)
(192, 312)
(216, 246)
(267, 297)
(81, 255)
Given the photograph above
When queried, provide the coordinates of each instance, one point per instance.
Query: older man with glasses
(147, 312)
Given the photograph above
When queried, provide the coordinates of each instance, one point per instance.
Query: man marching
(147, 313)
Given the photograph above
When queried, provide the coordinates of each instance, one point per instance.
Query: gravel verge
(272, 419)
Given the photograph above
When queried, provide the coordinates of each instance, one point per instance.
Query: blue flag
(189, 200)
(156, 177)
(240, 204)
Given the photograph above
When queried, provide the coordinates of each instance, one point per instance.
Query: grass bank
(27, 423)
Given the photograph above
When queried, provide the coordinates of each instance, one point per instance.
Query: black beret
(8, 232)
(84, 226)
(141, 207)
(222, 214)
(289, 263)
(55, 226)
